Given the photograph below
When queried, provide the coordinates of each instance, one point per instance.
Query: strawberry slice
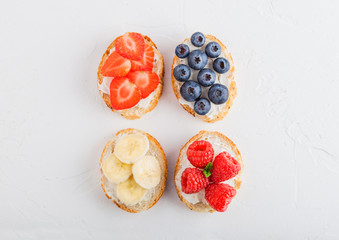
(146, 81)
(123, 93)
(131, 45)
(115, 66)
(146, 62)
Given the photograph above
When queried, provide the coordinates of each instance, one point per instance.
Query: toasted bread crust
(201, 207)
(159, 189)
(134, 112)
(232, 88)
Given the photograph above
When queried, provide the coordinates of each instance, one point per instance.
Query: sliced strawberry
(131, 45)
(146, 62)
(115, 66)
(123, 93)
(146, 81)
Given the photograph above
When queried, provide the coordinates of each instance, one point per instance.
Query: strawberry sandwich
(130, 75)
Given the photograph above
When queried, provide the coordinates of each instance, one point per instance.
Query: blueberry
(182, 73)
(190, 91)
(218, 94)
(198, 39)
(221, 65)
(197, 59)
(202, 106)
(182, 50)
(206, 77)
(213, 49)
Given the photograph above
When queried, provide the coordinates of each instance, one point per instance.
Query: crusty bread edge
(131, 113)
(201, 207)
(164, 175)
(232, 89)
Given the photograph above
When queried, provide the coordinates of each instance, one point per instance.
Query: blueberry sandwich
(203, 77)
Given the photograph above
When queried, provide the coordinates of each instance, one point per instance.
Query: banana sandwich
(134, 170)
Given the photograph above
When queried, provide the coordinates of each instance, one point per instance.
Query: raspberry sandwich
(134, 170)
(203, 77)
(207, 172)
(130, 75)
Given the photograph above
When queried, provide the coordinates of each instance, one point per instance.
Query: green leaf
(207, 170)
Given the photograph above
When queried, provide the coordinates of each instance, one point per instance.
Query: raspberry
(200, 153)
(224, 167)
(219, 195)
(193, 180)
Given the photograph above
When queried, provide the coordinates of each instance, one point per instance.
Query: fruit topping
(115, 66)
(131, 45)
(221, 65)
(219, 195)
(198, 39)
(146, 81)
(146, 62)
(115, 170)
(147, 172)
(130, 148)
(197, 59)
(200, 153)
(129, 192)
(224, 167)
(213, 49)
(190, 91)
(218, 94)
(181, 72)
(193, 180)
(206, 77)
(202, 106)
(123, 93)
(182, 51)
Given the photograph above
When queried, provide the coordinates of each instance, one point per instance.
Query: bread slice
(136, 111)
(153, 195)
(220, 141)
(221, 113)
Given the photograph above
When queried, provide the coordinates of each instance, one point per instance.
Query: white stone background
(54, 125)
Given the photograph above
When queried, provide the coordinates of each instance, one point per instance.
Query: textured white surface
(54, 124)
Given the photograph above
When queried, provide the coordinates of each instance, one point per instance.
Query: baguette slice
(153, 194)
(183, 162)
(231, 88)
(136, 111)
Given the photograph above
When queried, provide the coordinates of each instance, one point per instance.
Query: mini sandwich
(203, 77)
(207, 172)
(134, 170)
(130, 75)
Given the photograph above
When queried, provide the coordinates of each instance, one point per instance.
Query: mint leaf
(207, 170)
(206, 173)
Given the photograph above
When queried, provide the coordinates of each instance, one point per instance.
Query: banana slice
(147, 172)
(131, 147)
(129, 192)
(116, 171)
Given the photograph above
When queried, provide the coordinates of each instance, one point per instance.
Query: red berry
(224, 167)
(146, 81)
(193, 180)
(219, 195)
(146, 62)
(123, 93)
(115, 66)
(200, 153)
(130, 45)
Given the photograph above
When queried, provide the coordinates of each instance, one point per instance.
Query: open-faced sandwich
(130, 75)
(134, 170)
(203, 77)
(207, 172)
